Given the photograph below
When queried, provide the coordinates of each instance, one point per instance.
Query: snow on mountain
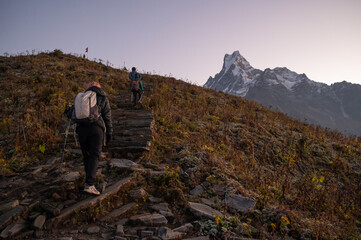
(236, 72)
(335, 106)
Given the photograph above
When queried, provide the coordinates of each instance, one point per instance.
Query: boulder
(138, 194)
(167, 214)
(184, 228)
(154, 200)
(239, 203)
(197, 191)
(120, 229)
(118, 212)
(93, 229)
(220, 189)
(150, 219)
(39, 222)
(122, 163)
(145, 233)
(203, 211)
(160, 207)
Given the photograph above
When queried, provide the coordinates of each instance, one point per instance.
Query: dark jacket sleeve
(107, 116)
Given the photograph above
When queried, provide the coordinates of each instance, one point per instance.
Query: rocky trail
(48, 202)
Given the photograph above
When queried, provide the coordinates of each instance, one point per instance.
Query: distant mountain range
(337, 106)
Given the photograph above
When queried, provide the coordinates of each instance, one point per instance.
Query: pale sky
(189, 38)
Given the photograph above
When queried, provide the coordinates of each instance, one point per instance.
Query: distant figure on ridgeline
(136, 85)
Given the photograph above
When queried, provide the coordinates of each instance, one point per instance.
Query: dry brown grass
(311, 175)
(296, 171)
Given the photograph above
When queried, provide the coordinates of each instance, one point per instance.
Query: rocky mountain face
(336, 106)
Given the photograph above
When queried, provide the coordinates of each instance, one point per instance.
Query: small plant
(42, 148)
(57, 53)
(170, 177)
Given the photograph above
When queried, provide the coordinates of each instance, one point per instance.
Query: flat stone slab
(239, 203)
(5, 232)
(7, 217)
(184, 228)
(154, 200)
(150, 219)
(71, 177)
(118, 212)
(122, 163)
(167, 233)
(89, 202)
(203, 211)
(160, 207)
(17, 228)
(8, 206)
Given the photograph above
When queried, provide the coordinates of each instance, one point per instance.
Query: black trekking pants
(135, 93)
(91, 139)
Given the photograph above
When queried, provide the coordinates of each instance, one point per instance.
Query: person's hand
(108, 139)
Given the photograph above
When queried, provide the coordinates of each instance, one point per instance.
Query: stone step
(117, 143)
(7, 217)
(118, 212)
(146, 131)
(132, 152)
(133, 123)
(126, 114)
(89, 202)
(134, 138)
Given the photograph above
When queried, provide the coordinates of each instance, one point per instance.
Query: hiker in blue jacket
(136, 85)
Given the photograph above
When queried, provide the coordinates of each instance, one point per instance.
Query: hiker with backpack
(92, 114)
(136, 85)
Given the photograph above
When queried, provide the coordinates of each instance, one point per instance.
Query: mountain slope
(207, 146)
(334, 107)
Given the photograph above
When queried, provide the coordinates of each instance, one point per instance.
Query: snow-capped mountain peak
(235, 74)
(283, 76)
(335, 106)
(238, 61)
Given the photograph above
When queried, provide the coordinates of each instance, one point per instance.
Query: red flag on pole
(86, 50)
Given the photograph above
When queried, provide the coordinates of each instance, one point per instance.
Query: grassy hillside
(34, 92)
(306, 181)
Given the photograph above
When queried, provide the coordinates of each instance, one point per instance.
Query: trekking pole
(140, 99)
(63, 151)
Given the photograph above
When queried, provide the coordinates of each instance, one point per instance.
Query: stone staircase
(43, 199)
(48, 203)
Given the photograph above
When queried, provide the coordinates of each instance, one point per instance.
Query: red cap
(91, 84)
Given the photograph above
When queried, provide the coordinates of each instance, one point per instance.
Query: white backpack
(85, 107)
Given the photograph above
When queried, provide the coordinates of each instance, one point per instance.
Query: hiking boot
(91, 189)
